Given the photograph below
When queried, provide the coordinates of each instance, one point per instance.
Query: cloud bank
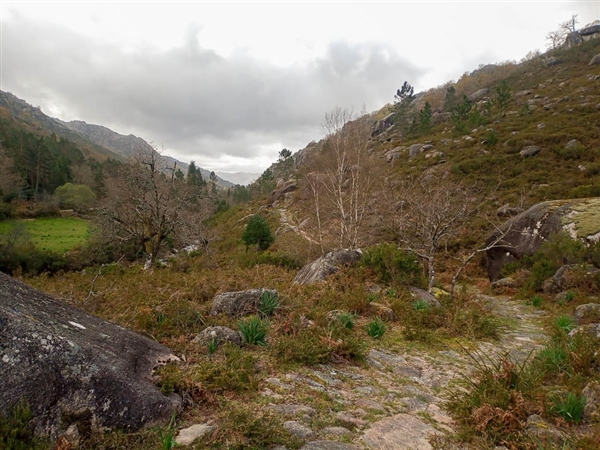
(228, 113)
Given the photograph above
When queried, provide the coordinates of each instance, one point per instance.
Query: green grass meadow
(56, 234)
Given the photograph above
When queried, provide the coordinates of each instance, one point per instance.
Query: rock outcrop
(327, 265)
(239, 303)
(524, 234)
(73, 368)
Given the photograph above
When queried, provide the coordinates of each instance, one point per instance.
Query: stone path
(397, 401)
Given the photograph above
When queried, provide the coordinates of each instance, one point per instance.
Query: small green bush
(391, 264)
(15, 433)
(258, 233)
(376, 328)
(254, 330)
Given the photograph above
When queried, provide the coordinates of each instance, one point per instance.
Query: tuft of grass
(421, 305)
(347, 319)
(569, 407)
(552, 360)
(254, 330)
(376, 328)
(268, 303)
(537, 301)
(564, 324)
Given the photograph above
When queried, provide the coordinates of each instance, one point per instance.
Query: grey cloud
(190, 98)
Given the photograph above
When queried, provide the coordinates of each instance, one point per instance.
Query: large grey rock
(595, 60)
(588, 313)
(239, 303)
(327, 265)
(524, 234)
(73, 368)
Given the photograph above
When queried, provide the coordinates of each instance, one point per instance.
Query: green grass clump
(268, 303)
(254, 330)
(537, 301)
(376, 328)
(569, 407)
(564, 324)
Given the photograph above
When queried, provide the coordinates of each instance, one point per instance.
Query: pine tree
(258, 233)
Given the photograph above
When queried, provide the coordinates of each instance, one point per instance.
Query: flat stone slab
(187, 436)
(329, 445)
(400, 432)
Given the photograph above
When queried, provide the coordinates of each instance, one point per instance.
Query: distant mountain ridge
(104, 140)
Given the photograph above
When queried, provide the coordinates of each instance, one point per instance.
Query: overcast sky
(230, 84)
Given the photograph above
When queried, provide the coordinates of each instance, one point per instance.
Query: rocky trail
(396, 400)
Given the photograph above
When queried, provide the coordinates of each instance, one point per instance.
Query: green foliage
(268, 303)
(15, 433)
(284, 154)
(347, 319)
(450, 99)
(258, 233)
(392, 264)
(425, 116)
(569, 407)
(212, 346)
(166, 434)
(537, 301)
(552, 360)
(376, 328)
(503, 96)
(19, 254)
(405, 94)
(421, 305)
(194, 176)
(232, 369)
(75, 196)
(564, 324)
(460, 115)
(254, 330)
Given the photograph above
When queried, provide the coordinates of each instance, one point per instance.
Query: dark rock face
(524, 234)
(74, 368)
(239, 303)
(327, 265)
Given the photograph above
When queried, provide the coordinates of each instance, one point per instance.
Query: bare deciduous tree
(344, 181)
(146, 204)
(425, 213)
